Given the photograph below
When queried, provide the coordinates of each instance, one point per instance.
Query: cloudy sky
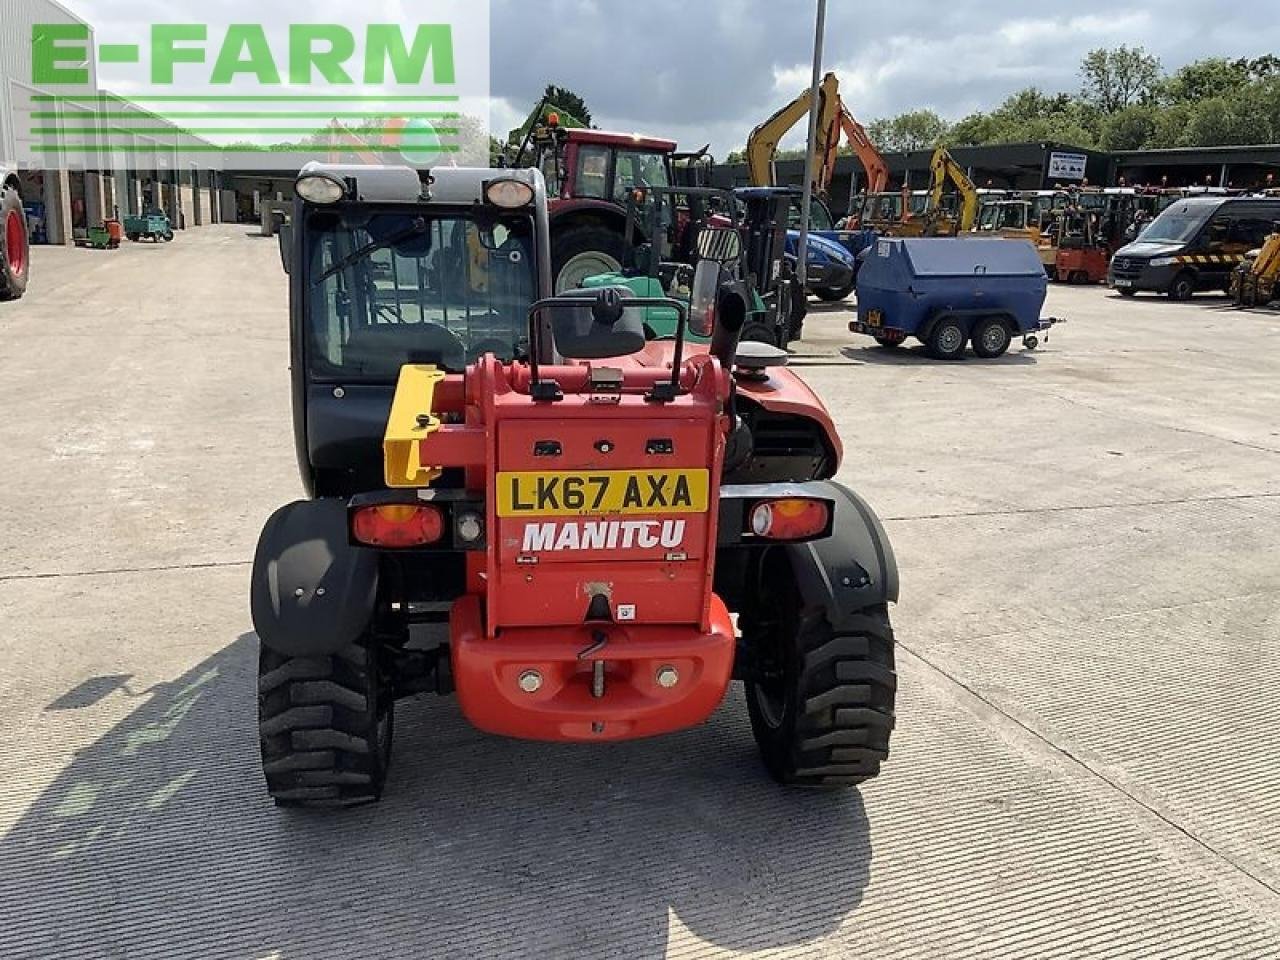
(709, 70)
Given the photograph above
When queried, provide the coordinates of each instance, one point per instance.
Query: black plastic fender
(311, 593)
(850, 570)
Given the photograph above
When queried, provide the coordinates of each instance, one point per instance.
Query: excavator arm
(943, 168)
(873, 164)
(762, 145)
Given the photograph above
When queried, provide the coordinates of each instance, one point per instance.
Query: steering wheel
(434, 340)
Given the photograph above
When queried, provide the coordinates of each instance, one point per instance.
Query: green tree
(1212, 77)
(915, 130)
(1118, 77)
(1132, 128)
(567, 100)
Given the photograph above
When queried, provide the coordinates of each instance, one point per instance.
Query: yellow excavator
(1256, 282)
(762, 145)
(936, 222)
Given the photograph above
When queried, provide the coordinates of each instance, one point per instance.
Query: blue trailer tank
(950, 291)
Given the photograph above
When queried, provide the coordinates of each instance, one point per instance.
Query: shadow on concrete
(158, 840)
(917, 356)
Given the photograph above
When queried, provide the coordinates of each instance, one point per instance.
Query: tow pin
(600, 638)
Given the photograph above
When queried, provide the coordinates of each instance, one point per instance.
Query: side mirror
(719, 245)
(702, 301)
(285, 237)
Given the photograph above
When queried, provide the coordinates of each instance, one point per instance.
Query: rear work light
(397, 525)
(791, 518)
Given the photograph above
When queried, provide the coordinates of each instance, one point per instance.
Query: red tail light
(792, 518)
(397, 525)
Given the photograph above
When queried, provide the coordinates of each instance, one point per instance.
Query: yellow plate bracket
(411, 422)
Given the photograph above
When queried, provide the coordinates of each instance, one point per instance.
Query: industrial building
(64, 197)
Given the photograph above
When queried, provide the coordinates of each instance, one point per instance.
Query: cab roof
(389, 183)
(611, 139)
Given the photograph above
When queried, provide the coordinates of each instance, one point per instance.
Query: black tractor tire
(168, 236)
(991, 338)
(757, 331)
(576, 241)
(798, 311)
(15, 266)
(946, 340)
(325, 726)
(1126, 291)
(834, 294)
(1183, 286)
(133, 237)
(821, 703)
(887, 343)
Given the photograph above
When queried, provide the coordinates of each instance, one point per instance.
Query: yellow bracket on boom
(410, 423)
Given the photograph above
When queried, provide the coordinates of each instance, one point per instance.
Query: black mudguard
(311, 593)
(850, 570)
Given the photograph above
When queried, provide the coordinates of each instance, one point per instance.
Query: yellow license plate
(874, 318)
(602, 492)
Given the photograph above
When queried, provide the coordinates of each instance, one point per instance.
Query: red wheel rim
(15, 242)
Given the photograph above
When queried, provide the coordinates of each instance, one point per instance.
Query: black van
(1193, 245)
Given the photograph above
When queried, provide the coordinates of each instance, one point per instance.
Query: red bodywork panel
(601, 496)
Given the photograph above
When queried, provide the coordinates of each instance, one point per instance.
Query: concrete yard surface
(1086, 761)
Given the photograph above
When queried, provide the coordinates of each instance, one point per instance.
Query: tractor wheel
(820, 702)
(133, 237)
(581, 252)
(168, 236)
(797, 311)
(325, 726)
(991, 338)
(946, 340)
(1183, 286)
(887, 343)
(15, 246)
(757, 331)
(834, 294)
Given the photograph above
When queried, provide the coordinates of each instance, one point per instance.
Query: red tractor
(590, 176)
(517, 498)
(15, 244)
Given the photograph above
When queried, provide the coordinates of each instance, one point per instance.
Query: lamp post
(815, 107)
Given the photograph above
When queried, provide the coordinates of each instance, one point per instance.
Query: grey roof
(379, 183)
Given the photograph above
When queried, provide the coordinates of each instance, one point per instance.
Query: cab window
(548, 163)
(1253, 230)
(1219, 231)
(819, 216)
(593, 172)
(638, 168)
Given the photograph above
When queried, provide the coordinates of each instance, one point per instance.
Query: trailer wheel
(1126, 291)
(946, 339)
(991, 338)
(15, 254)
(325, 726)
(820, 703)
(1183, 286)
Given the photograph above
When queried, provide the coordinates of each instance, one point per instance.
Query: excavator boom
(873, 163)
(762, 145)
